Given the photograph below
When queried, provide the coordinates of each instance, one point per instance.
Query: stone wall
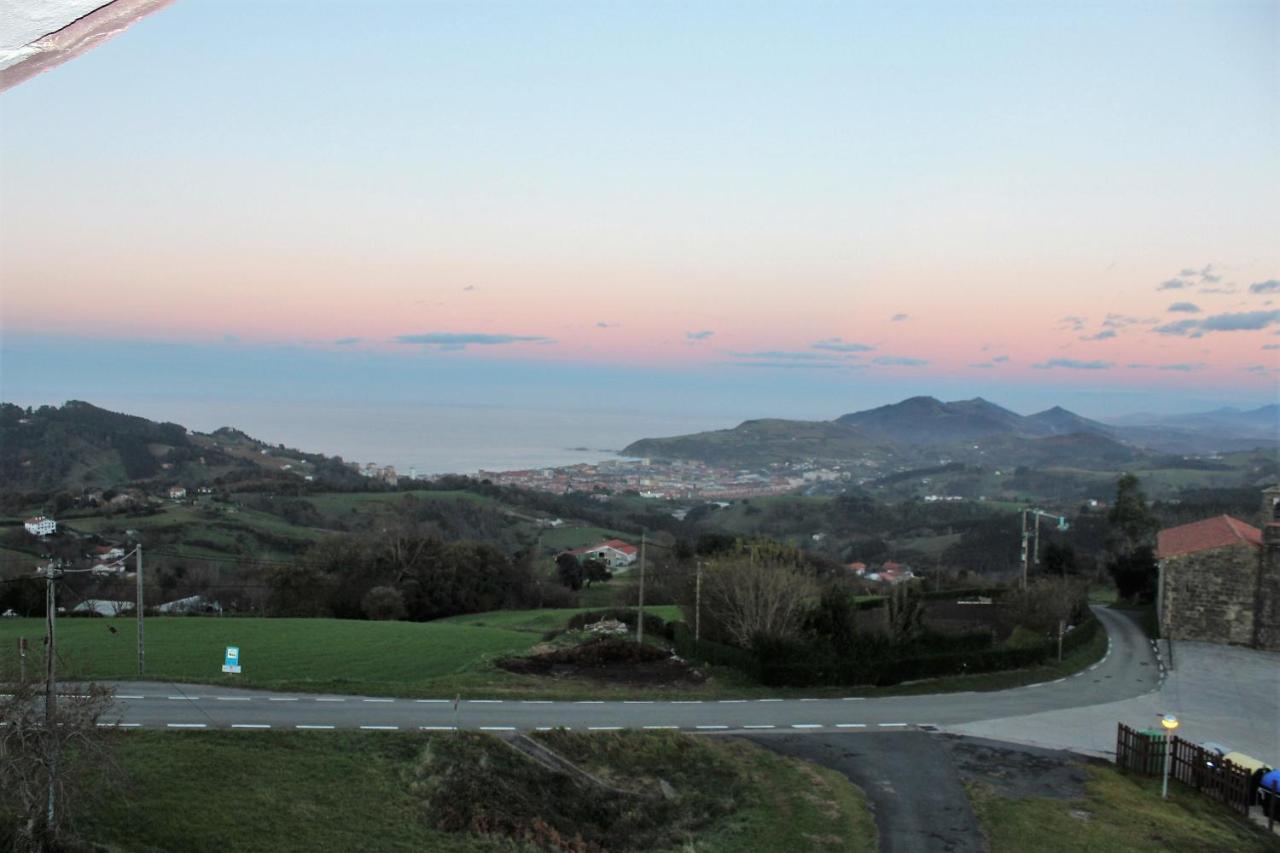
(1210, 596)
(1266, 628)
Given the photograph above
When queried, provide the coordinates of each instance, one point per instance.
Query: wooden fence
(1189, 763)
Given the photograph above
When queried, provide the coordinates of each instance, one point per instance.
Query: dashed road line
(768, 700)
(232, 698)
(185, 725)
(862, 698)
(686, 701)
(710, 728)
(377, 700)
(484, 701)
(637, 702)
(759, 727)
(122, 696)
(589, 702)
(892, 725)
(431, 701)
(661, 728)
(732, 701)
(282, 698)
(436, 729)
(535, 701)
(806, 725)
(302, 726)
(851, 725)
(250, 725)
(604, 728)
(329, 699)
(380, 728)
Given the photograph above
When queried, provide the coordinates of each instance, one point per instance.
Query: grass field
(412, 659)
(217, 791)
(1118, 812)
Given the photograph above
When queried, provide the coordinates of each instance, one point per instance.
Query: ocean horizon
(429, 439)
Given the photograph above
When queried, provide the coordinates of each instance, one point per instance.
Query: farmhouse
(40, 526)
(1219, 579)
(177, 493)
(615, 553)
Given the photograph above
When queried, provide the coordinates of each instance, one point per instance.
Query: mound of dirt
(607, 659)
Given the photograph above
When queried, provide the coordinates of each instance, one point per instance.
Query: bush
(383, 603)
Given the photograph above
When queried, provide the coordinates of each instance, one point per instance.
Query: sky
(756, 208)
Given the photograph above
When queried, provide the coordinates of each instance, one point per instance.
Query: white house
(40, 526)
(177, 493)
(190, 604)
(103, 607)
(615, 553)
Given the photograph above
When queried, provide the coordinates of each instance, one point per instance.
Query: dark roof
(1221, 531)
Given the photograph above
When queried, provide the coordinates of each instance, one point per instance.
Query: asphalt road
(1129, 669)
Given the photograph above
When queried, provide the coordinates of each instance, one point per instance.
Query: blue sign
(231, 663)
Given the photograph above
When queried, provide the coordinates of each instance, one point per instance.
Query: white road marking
(250, 726)
(732, 701)
(128, 725)
(535, 701)
(484, 701)
(603, 728)
(122, 696)
(686, 701)
(711, 727)
(768, 700)
(436, 728)
(185, 725)
(759, 727)
(300, 726)
(860, 698)
(184, 698)
(431, 701)
(232, 698)
(892, 725)
(377, 700)
(637, 702)
(1059, 680)
(497, 728)
(851, 725)
(282, 698)
(806, 725)
(589, 702)
(380, 728)
(328, 699)
(658, 728)
(808, 700)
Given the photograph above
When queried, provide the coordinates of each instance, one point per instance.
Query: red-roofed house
(1220, 579)
(615, 553)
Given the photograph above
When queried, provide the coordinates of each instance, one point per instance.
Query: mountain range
(922, 426)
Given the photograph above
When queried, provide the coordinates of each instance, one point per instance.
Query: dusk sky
(770, 209)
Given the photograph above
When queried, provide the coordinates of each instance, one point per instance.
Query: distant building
(177, 493)
(190, 604)
(858, 568)
(40, 526)
(1219, 579)
(103, 607)
(615, 553)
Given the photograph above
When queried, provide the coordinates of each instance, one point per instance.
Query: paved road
(1128, 670)
(918, 798)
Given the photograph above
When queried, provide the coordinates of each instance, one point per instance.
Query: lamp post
(1170, 722)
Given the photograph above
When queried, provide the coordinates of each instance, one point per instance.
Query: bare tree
(757, 597)
(45, 772)
(904, 613)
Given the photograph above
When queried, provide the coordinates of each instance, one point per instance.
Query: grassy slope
(353, 791)
(430, 659)
(1118, 812)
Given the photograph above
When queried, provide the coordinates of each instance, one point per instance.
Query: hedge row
(798, 664)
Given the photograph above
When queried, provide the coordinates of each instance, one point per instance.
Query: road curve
(1129, 669)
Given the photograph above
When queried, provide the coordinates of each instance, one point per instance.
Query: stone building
(1220, 579)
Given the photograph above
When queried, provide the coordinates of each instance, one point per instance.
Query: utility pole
(1037, 545)
(697, 606)
(50, 691)
(138, 607)
(1024, 549)
(640, 620)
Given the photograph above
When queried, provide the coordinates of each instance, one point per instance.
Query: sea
(432, 439)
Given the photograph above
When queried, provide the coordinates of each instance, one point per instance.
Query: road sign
(231, 663)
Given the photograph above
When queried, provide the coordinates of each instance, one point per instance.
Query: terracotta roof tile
(1221, 531)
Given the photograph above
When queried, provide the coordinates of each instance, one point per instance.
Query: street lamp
(1170, 722)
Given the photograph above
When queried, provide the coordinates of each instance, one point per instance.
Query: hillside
(913, 430)
(79, 445)
(762, 442)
